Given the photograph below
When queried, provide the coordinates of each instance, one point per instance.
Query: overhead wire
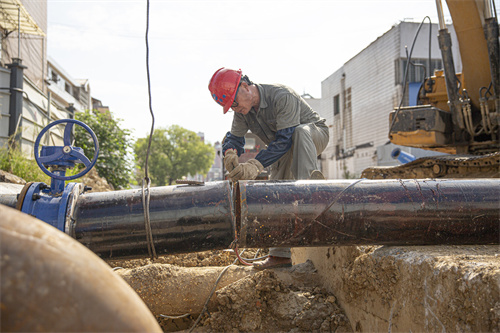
(146, 197)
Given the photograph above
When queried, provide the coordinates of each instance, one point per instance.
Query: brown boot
(273, 262)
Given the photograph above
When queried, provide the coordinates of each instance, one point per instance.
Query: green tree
(113, 163)
(14, 161)
(175, 152)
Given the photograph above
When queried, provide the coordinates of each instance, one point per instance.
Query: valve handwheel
(66, 155)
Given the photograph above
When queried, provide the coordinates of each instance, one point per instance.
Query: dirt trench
(331, 289)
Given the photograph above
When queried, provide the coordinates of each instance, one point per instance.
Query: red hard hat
(223, 86)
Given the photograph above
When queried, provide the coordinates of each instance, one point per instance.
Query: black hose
(406, 73)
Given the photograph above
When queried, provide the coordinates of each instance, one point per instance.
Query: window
(417, 71)
(336, 105)
(55, 77)
(67, 87)
(347, 96)
(76, 92)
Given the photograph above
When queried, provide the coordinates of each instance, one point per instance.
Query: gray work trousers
(309, 140)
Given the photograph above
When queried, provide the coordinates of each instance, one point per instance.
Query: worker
(294, 134)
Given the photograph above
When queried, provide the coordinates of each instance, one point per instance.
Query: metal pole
(16, 100)
(439, 6)
(368, 212)
(19, 32)
(49, 101)
(491, 33)
(444, 39)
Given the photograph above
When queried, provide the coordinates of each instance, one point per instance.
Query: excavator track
(441, 166)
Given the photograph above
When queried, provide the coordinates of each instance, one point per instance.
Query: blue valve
(55, 204)
(62, 157)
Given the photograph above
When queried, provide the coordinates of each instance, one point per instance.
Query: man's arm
(233, 142)
(276, 149)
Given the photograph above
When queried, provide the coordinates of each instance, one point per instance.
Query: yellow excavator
(456, 113)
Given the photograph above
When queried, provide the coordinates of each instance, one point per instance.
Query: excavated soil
(246, 300)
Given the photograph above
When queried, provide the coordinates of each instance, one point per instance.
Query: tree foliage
(175, 152)
(113, 163)
(14, 161)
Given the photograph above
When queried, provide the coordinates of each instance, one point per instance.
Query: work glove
(247, 171)
(230, 159)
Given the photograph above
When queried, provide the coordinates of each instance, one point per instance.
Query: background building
(357, 99)
(34, 89)
(67, 91)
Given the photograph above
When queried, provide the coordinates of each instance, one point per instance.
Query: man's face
(243, 101)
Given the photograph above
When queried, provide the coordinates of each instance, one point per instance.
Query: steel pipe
(183, 218)
(368, 212)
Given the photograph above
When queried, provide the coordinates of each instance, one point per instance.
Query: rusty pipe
(368, 212)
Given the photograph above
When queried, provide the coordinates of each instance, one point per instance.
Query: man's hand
(246, 171)
(230, 159)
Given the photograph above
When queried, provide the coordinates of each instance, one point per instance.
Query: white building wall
(370, 75)
(35, 117)
(374, 94)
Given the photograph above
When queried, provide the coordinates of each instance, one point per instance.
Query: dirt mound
(174, 290)
(97, 183)
(6, 177)
(265, 303)
(198, 259)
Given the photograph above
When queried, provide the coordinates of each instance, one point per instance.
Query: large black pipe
(183, 219)
(289, 213)
(368, 212)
